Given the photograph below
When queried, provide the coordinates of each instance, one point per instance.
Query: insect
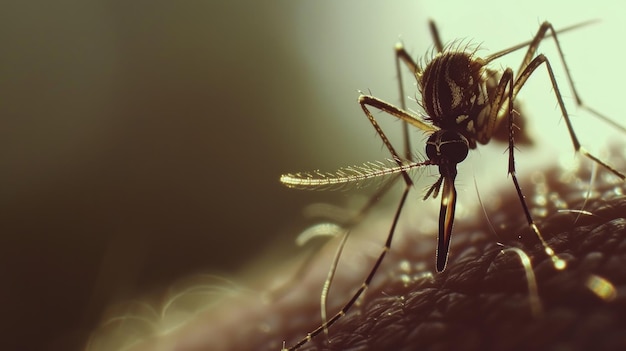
(466, 103)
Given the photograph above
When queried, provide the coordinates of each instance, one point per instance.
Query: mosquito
(465, 104)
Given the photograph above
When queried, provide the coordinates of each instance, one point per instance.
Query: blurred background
(142, 141)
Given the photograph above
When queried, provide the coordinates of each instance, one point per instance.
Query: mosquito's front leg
(365, 100)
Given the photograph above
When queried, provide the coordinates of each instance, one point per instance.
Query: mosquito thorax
(447, 146)
(453, 90)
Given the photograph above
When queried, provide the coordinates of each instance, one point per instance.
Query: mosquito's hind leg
(514, 88)
(546, 29)
(519, 83)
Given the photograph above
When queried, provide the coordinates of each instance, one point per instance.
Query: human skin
(480, 302)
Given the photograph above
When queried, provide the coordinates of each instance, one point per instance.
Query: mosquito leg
(519, 83)
(542, 33)
(404, 57)
(532, 50)
(354, 220)
(364, 101)
(507, 80)
(405, 116)
(401, 57)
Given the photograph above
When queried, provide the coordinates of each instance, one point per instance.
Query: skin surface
(480, 302)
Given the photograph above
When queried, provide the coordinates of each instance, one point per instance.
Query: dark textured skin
(480, 302)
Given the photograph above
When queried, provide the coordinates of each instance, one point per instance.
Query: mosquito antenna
(357, 175)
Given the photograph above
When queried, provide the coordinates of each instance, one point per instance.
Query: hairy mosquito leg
(401, 57)
(507, 79)
(526, 70)
(542, 33)
(365, 101)
(519, 83)
(365, 283)
(503, 98)
(277, 293)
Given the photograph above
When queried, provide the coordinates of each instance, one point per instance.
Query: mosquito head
(447, 147)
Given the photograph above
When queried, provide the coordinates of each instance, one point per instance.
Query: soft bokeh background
(142, 141)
